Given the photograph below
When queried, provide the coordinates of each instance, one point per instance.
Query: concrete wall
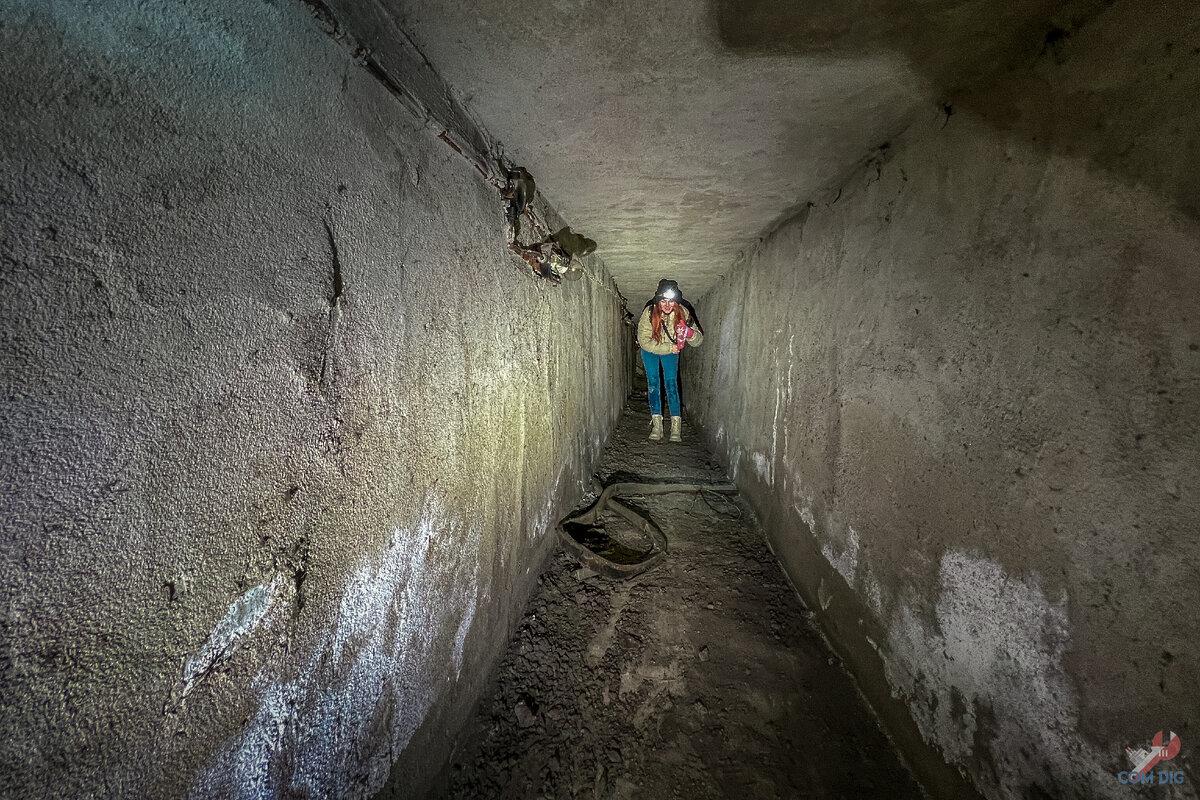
(285, 427)
(962, 391)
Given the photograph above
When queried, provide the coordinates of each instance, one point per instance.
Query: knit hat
(668, 285)
(668, 289)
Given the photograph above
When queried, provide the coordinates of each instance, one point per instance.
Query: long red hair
(656, 320)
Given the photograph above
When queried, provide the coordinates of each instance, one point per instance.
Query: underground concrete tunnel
(322, 334)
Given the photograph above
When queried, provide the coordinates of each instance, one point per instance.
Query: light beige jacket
(666, 346)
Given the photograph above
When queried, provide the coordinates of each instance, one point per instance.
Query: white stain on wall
(460, 637)
(331, 728)
(873, 592)
(775, 428)
(846, 562)
(541, 521)
(987, 671)
(762, 466)
(788, 390)
(727, 353)
(806, 514)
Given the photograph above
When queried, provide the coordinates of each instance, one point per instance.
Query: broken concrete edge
(846, 625)
(957, 565)
(850, 632)
(431, 99)
(838, 615)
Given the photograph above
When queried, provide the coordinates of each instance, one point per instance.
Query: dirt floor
(701, 678)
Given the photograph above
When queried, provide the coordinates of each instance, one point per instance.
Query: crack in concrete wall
(337, 282)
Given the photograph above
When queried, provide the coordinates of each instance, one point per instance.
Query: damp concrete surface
(701, 678)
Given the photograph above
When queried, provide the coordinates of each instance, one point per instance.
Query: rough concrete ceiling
(675, 133)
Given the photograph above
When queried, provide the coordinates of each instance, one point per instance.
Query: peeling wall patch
(244, 615)
(332, 727)
(987, 674)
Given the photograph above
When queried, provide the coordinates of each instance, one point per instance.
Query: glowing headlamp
(669, 294)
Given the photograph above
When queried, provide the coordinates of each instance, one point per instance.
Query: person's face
(666, 306)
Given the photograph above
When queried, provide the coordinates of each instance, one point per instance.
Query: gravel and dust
(701, 678)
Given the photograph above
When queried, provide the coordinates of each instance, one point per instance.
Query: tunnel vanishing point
(301, 373)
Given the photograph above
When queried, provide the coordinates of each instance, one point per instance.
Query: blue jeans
(670, 368)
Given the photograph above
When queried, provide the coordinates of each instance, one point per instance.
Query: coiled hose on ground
(583, 535)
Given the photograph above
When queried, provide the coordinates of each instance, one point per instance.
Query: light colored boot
(676, 426)
(656, 428)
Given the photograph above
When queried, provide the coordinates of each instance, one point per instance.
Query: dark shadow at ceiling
(1120, 98)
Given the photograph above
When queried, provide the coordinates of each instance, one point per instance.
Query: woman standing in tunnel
(668, 324)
